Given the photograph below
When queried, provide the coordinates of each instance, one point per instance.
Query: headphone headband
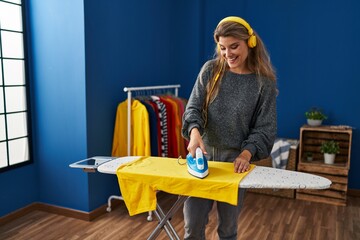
(252, 37)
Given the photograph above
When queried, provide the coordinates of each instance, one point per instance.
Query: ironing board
(259, 177)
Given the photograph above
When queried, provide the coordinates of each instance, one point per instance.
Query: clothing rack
(146, 89)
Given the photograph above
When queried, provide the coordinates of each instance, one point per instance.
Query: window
(14, 114)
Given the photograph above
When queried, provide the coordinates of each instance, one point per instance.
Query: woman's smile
(235, 52)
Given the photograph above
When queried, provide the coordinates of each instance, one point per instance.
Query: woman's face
(235, 52)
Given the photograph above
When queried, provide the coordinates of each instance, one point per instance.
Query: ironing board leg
(166, 226)
(165, 218)
(108, 209)
(111, 198)
(149, 217)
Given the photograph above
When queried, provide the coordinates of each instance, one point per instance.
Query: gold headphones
(252, 39)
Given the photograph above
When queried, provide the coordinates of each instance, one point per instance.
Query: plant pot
(329, 158)
(314, 122)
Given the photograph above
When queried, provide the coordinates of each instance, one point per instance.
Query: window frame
(26, 84)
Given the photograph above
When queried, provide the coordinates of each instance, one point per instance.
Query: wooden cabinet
(311, 139)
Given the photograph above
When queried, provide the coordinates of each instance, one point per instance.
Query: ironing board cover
(140, 179)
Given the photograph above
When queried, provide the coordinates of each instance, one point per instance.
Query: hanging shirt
(140, 131)
(171, 124)
(158, 128)
(163, 125)
(153, 127)
(178, 111)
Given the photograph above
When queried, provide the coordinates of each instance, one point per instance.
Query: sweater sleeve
(192, 117)
(264, 125)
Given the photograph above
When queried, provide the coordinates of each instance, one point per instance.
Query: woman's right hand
(195, 142)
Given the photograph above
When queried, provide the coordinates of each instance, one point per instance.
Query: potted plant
(329, 149)
(315, 117)
(309, 156)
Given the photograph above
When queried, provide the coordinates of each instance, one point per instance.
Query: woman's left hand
(242, 163)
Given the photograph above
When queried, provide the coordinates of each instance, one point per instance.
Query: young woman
(231, 116)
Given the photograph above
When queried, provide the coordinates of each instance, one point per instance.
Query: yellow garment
(140, 179)
(140, 130)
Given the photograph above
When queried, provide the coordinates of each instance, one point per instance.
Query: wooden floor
(263, 217)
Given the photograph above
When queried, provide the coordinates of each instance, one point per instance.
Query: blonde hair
(258, 60)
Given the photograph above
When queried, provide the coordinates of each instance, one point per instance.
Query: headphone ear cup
(252, 41)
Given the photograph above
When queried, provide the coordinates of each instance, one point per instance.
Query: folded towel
(280, 153)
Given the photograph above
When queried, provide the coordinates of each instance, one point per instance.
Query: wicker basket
(291, 165)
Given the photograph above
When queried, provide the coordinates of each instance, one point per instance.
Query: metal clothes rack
(145, 90)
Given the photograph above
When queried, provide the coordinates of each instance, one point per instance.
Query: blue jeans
(196, 211)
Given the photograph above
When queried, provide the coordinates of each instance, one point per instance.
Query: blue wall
(83, 53)
(315, 49)
(314, 46)
(128, 45)
(56, 34)
(18, 188)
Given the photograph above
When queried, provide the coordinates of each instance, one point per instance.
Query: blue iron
(197, 166)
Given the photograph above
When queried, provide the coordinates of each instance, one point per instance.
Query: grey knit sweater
(242, 116)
